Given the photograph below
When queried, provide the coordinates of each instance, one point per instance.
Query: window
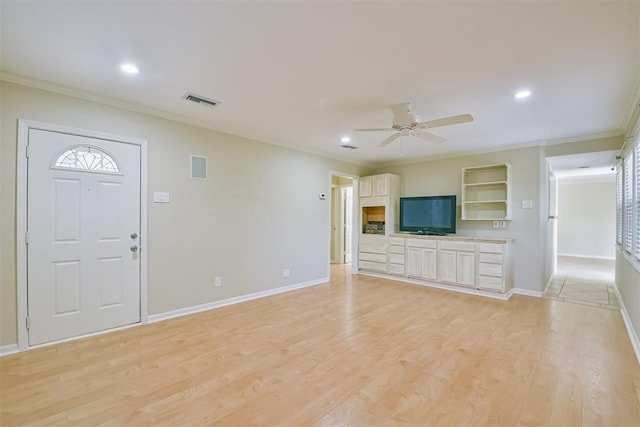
(628, 202)
(87, 158)
(627, 233)
(619, 184)
(637, 180)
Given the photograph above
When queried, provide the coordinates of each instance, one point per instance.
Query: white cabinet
(456, 262)
(373, 253)
(493, 272)
(486, 192)
(380, 184)
(478, 263)
(379, 195)
(422, 259)
(365, 186)
(396, 256)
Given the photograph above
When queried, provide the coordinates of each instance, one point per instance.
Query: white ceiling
(300, 73)
(584, 165)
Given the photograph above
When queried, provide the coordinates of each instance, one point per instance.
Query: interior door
(83, 221)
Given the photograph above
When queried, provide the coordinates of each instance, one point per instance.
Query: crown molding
(138, 108)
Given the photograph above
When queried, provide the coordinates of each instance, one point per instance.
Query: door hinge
(28, 319)
(26, 237)
(27, 151)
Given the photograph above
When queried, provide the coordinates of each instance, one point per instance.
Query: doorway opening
(584, 229)
(341, 219)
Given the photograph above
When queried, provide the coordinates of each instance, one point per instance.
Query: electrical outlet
(217, 282)
(496, 224)
(285, 273)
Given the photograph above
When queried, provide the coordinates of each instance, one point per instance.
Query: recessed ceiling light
(129, 68)
(523, 94)
(345, 139)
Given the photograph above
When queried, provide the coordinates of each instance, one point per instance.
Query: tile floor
(584, 281)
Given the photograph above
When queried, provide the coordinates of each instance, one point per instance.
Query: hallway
(585, 281)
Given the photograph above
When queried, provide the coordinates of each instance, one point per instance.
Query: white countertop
(476, 239)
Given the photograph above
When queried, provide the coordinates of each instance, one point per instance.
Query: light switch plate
(527, 204)
(160, 197)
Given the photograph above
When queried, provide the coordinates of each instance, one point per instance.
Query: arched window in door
(87, 158)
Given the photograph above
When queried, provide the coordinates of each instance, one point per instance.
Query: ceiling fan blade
(430, 137)
(371, 130)
(446, 121)
(389, 140)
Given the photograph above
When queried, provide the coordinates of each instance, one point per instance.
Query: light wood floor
(357, 351)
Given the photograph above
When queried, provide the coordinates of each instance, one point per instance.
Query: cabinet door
(414, 262)
(429, 264)
(465, 268)
(380, 185)
(447, 266)
(365, 186)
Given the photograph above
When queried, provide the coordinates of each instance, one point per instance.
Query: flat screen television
(428, 214)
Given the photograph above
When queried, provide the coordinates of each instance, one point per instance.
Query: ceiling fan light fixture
(522, 94)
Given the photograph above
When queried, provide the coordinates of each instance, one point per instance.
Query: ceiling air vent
(201, 100)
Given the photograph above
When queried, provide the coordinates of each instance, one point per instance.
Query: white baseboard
(8, 349)
(633, 336)
(230, 301)
(610, 258)
(527, 292)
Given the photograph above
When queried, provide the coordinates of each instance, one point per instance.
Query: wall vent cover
(200, 100)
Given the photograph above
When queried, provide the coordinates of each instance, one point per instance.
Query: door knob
(134, 248)
(134, 236)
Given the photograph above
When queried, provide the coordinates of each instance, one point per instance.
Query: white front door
(83, 222)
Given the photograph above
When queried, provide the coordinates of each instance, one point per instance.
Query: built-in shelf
(486, 193)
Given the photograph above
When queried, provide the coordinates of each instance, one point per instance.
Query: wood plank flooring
(357, 351)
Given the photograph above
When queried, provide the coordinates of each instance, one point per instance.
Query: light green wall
(257, 214)
(628, 283)
(445, 177)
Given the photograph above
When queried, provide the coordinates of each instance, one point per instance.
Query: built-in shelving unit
(486, 193)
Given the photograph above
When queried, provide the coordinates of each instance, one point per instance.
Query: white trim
(527, 292)
(470, 291)
(21, 214)
(633, 336)
(6, 350)
(613, 258)
(234, 300)
(355, 217)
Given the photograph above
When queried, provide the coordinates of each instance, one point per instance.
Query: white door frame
(355, 240)
(21, 216)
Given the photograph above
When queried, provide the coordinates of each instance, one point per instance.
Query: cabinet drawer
(457, 246)
(365, 256)
(494, 270)
(376, 249)
(396, 259)
(396, 241)
(396, 269)
(420, 243)
(375, 266)
(491, 283)
(492, 258)
(496, 248)
(393, 249)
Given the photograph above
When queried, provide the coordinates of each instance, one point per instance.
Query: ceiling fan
(406, 123)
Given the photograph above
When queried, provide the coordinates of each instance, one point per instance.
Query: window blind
(619, 193)
(627, 225)
(637, 197)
